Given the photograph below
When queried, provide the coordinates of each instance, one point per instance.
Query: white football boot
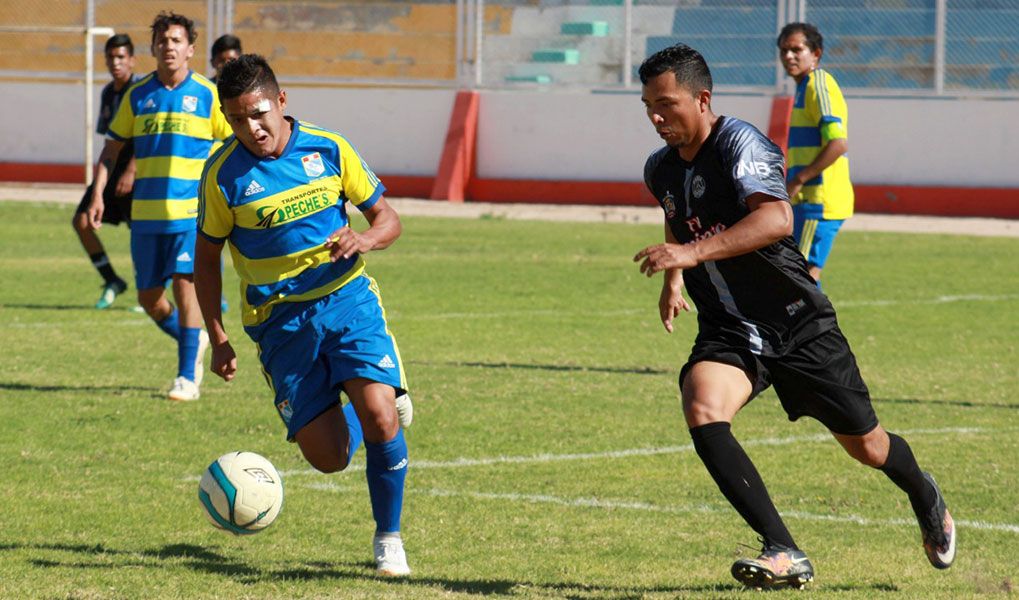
(390, 559)
(183, 390)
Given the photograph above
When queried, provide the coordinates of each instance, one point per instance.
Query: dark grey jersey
(764, 300)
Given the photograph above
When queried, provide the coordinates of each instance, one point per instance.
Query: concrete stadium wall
(570, 138)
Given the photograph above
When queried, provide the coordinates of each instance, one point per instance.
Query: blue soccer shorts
(330, 340)
(158, 256)
(814, 235)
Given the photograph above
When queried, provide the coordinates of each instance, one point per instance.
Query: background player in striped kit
(172, 116)
(817, 179)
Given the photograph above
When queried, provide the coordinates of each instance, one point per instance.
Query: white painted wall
(573, 135)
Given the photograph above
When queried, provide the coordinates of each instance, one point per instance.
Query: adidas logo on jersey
(186, 257)
(149, 104)
(253, 188)
(387, 362)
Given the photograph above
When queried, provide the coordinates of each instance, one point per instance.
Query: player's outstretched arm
(770, 220)
(107, 158)
(384, 228)
(209, 289)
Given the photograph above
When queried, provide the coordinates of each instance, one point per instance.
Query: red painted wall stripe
(1002, 203)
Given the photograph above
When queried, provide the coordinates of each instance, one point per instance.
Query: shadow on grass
(204, 560)
(61, 307)
(960, 403)
(541, 367)
(25, 387)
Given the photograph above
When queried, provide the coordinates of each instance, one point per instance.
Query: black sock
(901, 468)
(102, 264)
(739, 481)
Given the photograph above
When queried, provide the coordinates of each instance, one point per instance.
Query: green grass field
(548, 454)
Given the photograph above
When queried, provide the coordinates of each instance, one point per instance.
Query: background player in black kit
(761, 319)
(117, 193)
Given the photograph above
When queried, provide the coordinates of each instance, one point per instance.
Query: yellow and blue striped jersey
(278, 213)
(819, 116)
(173, 132)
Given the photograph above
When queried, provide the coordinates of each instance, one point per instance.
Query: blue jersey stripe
(310, 279)
(165, 188)
(804, 137)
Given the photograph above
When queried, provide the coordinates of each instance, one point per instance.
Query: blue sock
(171, 325)
(386, 472)
(187, 352)
(354, 433)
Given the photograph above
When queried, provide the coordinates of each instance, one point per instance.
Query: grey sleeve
(755, 163)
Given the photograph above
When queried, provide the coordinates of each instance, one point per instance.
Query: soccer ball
(241, 493)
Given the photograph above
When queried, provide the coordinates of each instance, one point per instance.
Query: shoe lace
(933, 523)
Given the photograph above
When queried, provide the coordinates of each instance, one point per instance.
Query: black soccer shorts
(116, 209)
(819, 379)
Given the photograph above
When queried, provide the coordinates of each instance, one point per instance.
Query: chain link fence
(888, 46)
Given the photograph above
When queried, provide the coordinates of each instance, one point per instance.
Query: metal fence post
(627, 74)
(479, 33)
(940, 19)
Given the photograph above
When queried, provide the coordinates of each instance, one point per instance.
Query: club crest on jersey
(286, 411)
(190, 104)
(698, 186)
(669, 202)
(313, 166)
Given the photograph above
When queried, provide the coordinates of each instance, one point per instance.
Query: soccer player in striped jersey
(172, 116)
(817, 178)
(278, 192)
(119, 52)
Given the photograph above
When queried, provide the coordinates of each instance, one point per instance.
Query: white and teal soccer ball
(241, 492)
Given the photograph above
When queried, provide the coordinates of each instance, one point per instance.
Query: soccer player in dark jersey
(761, 319)
(117, 192)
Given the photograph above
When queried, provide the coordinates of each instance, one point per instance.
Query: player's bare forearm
(384, 228)
(209, 287)
(770, 220)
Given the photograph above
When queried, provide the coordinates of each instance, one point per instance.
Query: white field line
(459, 463)
(670, 509)
(541, 312)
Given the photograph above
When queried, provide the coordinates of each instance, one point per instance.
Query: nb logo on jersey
(387, 362)
(253, 188)
(751, 167)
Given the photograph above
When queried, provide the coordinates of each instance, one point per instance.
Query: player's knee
(700, 411)
(80, 222)
(380, 426)
(869, 453)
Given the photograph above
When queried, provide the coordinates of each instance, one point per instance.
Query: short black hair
(687, 64)
(248, 73)
(165, 19)
(121, 40)
(225, 42)
(810, 32)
